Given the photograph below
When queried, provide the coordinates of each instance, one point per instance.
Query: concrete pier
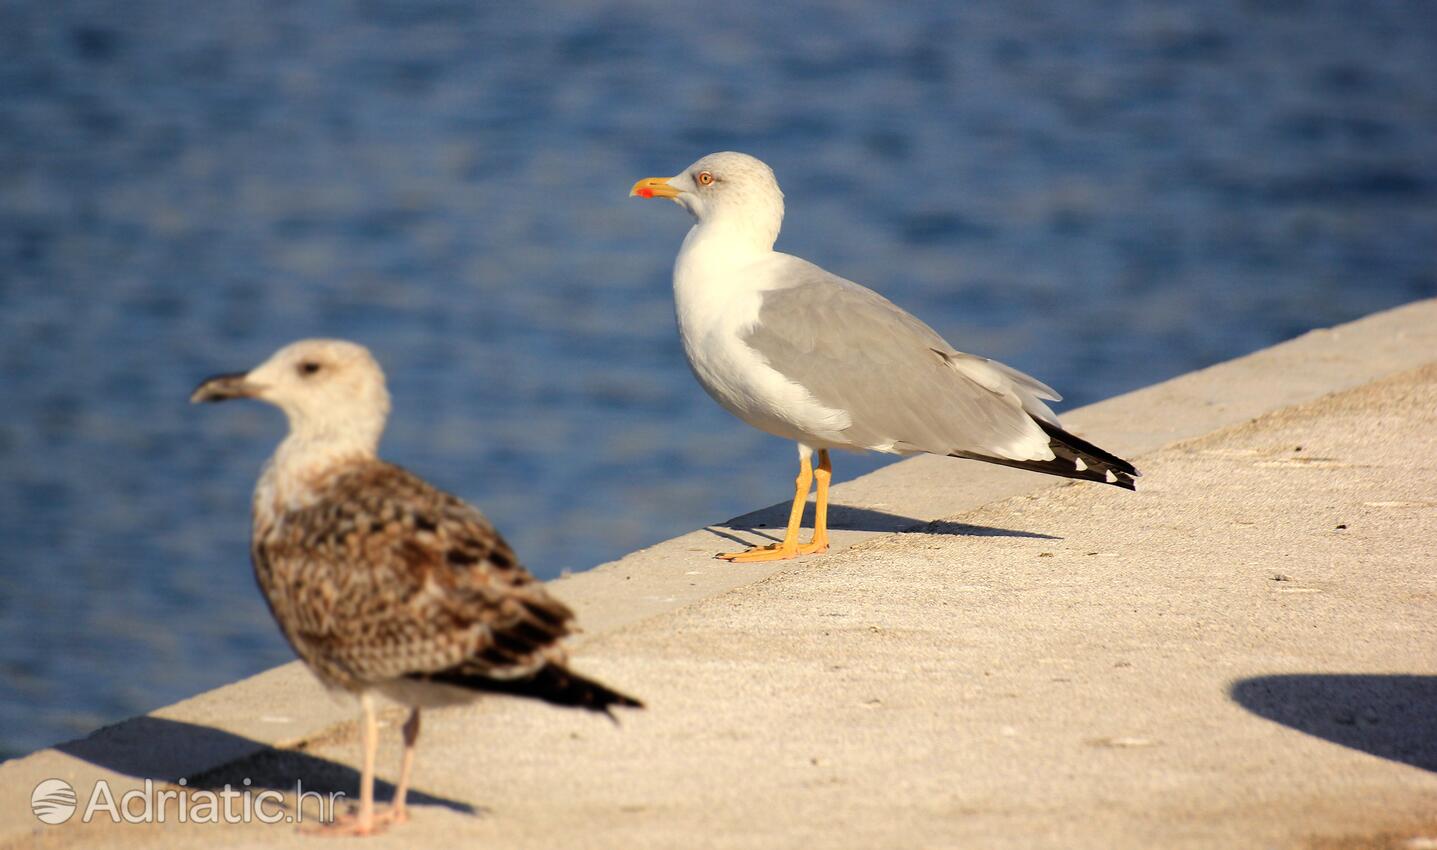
(1241, 654)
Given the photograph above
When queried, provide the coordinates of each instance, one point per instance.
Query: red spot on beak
(646, 193)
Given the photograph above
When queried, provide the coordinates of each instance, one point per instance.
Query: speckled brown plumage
(380, 575)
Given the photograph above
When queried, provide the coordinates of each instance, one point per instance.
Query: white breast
(717, 299)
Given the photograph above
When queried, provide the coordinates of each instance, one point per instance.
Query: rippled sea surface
(1102, 193)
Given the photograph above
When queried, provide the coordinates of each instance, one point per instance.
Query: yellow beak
(654, 187)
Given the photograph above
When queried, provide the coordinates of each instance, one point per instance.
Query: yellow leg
(789, 547)
(822, 475)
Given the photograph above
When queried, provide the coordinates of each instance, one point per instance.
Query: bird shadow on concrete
(208, 758)
(769, 523)
(1390, 716)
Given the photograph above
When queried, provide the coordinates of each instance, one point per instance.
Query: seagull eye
(705, 178)
(307, 368)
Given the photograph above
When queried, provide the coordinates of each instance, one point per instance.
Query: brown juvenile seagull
(808, 356)
(382, 583)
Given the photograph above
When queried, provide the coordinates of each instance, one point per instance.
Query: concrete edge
(285, 706)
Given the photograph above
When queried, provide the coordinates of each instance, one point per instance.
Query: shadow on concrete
(1394, 717)
(166, 750)
(770, 521)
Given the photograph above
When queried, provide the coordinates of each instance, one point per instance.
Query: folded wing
(902, 385)
(386, 576)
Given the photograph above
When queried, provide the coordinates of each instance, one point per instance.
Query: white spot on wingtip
(1078, 462)
(1110, 477)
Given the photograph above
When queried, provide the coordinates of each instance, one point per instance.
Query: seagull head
(725, 190)
(330, 390)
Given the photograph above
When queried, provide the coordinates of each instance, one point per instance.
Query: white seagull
(803, 354)
(382, 583)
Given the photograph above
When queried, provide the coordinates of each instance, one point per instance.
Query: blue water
(1102, 193)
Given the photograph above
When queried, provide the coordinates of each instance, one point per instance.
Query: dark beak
(223, 388)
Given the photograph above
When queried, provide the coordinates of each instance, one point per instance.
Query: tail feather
(1074, 457)
(551, 683)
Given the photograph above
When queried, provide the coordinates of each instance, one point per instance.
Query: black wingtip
(1089, 451)
(552, 683)
(622, 701)
(1073, 457)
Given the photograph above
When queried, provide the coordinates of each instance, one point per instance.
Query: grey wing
(902, 385)
(389, 576)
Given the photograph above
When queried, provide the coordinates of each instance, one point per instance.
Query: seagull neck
(724, 242)
(307, 456)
